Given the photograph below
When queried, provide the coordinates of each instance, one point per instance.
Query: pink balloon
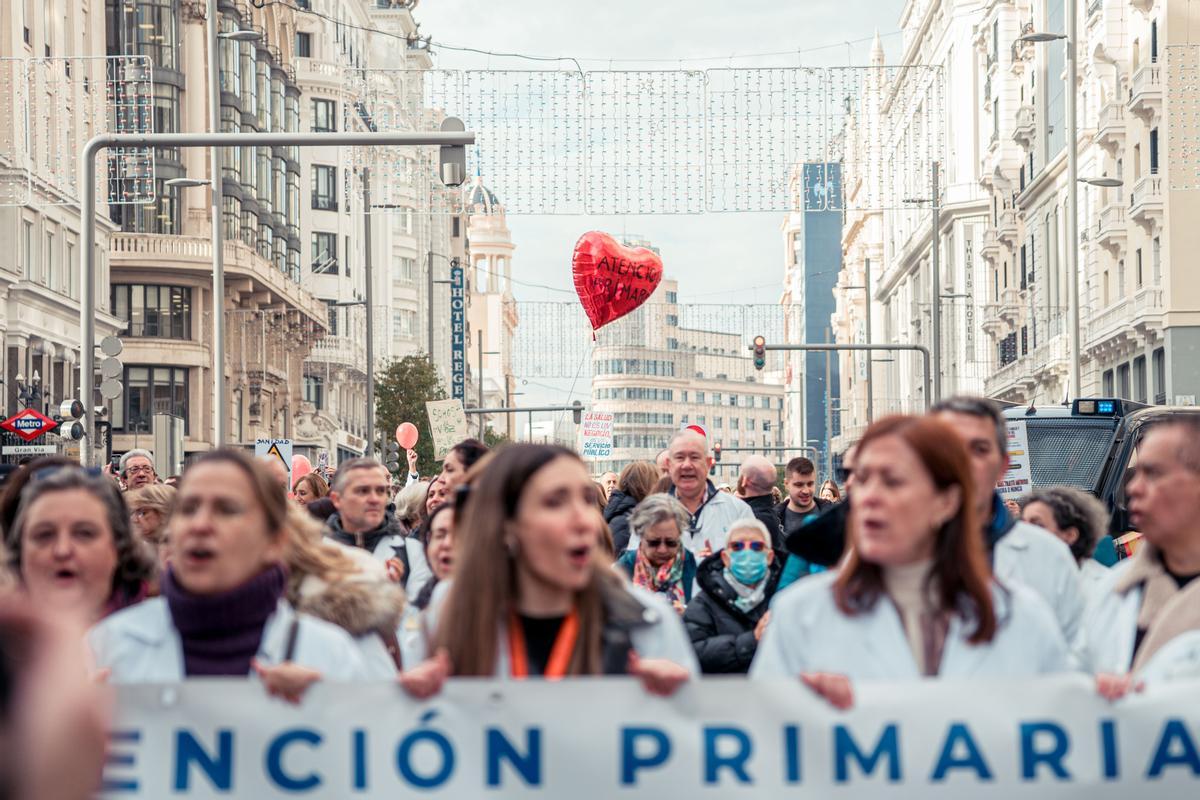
(301, 466)
(406, 435)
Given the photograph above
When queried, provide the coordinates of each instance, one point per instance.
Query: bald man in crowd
(758, 476)
(710, 512)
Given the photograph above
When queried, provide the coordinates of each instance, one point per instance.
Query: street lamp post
(935, 282)
(220, 411)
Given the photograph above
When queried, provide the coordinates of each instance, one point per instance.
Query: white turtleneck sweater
(905, 585)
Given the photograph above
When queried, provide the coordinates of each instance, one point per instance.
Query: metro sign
(29, 424)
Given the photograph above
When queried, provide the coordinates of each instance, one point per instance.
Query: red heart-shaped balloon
(612, 279)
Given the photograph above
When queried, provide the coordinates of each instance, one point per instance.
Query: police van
(1090, 445)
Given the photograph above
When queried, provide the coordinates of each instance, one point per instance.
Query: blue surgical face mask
(748, 566)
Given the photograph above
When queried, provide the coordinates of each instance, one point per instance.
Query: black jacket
(616, 514)
(766, 512)
(822, 540)
(722, 633)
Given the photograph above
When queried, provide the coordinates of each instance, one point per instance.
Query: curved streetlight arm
(87, 208)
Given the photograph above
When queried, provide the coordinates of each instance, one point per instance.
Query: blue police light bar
(1098, 407)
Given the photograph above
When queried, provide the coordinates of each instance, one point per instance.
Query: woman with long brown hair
(914, 596)
(533, 596)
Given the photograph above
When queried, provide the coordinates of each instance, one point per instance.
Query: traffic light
(69, 412)
(717, 451)
(577, 411)
(393, 457)
(760, 352)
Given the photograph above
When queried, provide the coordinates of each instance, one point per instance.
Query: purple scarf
(221, 633)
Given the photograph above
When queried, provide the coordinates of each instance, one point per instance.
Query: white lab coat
(1040, 560)
(664, 637)
(1091, 577)
(808, 633)
(419, 572)
(1110, 633)
(1178, 659)
(712, 528)
(141, 645)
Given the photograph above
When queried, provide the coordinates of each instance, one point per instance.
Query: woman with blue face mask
(726, 618)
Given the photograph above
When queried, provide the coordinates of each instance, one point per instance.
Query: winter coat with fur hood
(367, 605)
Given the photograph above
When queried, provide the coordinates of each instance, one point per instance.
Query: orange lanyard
(560, 654)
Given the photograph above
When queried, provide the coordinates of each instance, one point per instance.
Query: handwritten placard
(447, 424)
(596, 431)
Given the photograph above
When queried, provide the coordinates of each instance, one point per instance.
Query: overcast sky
(697, 250)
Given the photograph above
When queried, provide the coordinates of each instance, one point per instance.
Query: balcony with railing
(1145, 91)
(1008, 228)
(1110, 228)
(1049, 360)
(1010, 304)
(1024, 128)
(1146, 202)
(1110, 126)
(1123, 318)
(989, 249)
(165, 254)
(345, 351)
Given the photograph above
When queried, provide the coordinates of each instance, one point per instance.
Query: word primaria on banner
(426, 758)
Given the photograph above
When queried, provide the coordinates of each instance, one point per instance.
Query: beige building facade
(656, 375)
(48, 50)
(1139, 297)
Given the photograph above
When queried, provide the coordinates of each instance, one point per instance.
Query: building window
(324, 188)
(28, 22)
(166, 119)
(1154, 151)
(1158, 360)
(48, 273)
(672, 297)
(163, 312)
(700, 397)
(406, 269)
(1123, 389)
(151, 390)
(1138, 267)
(1139, 379)
(404, 323)
(1156, 260)
(303, 45)
(28, 254)
(147, 28)
(332, 311)
(1106, 383)
(314, 391)
(324, 253)
(324, 116)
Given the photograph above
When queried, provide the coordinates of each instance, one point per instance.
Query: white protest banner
(276, 448)
(1018, 480)
(447, 424)
(596, 432)
(599, 738)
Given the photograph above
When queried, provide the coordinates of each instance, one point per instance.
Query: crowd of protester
(518, 563)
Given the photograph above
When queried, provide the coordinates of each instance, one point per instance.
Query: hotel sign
(458, 331)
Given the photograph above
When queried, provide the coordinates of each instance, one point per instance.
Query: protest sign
(447, 424)
(596, 432)
(606, 737)
(1018, 480)
(276, 449)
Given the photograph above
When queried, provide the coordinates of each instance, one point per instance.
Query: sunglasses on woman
(757, 547)
(654, 544)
